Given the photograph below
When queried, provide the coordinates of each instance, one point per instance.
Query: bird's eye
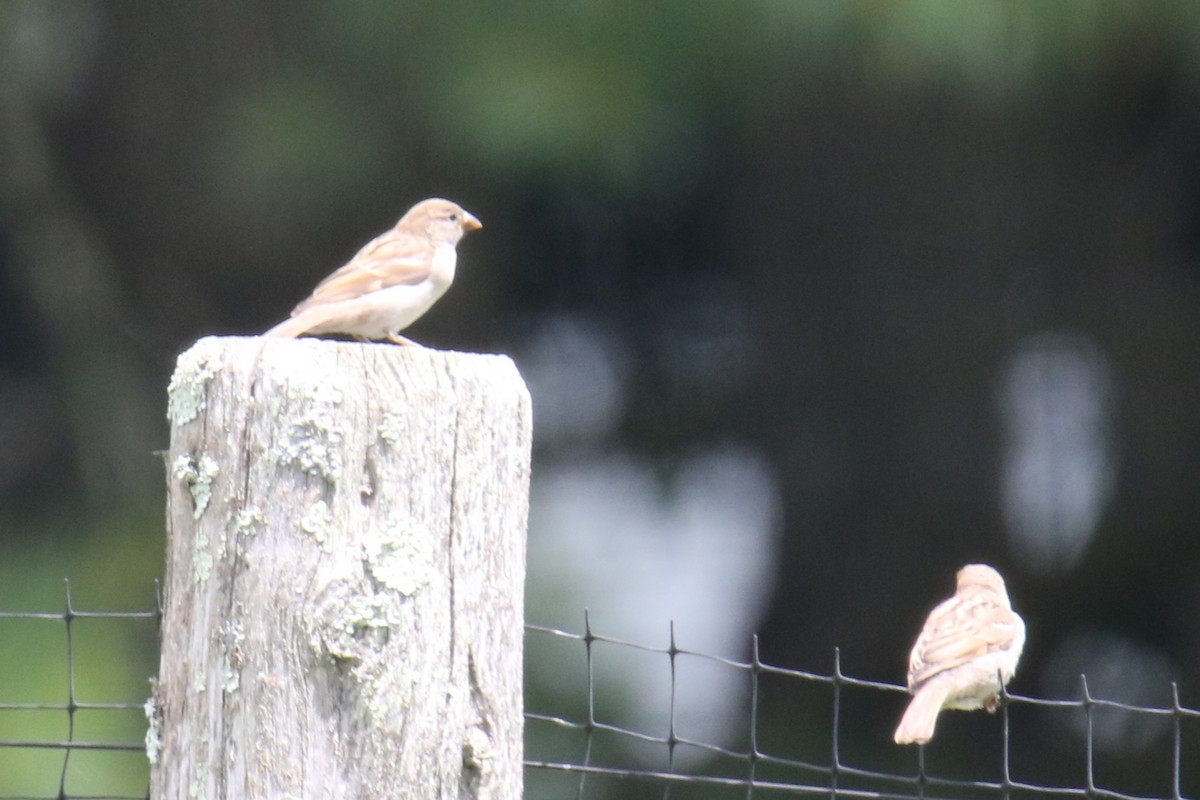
(453, 217)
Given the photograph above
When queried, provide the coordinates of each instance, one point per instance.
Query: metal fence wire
(63, 733)
(801, 734)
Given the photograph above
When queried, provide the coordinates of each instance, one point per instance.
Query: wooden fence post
(345, 574)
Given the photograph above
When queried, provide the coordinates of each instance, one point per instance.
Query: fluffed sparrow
(966, 652)
(391, 281)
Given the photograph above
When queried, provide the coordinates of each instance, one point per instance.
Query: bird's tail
(290, 328)
(916, 726)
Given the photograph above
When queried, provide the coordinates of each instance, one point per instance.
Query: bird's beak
(470, 223)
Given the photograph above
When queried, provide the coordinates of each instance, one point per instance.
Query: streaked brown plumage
(391, 281)
(966, 652)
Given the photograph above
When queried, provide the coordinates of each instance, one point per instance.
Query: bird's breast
(441, 271)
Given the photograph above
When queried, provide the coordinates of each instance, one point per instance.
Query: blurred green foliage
(892, 192)
(110, 660)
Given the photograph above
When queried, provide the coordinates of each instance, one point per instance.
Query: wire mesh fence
(70, 726)
(835, 740)
(801, 734)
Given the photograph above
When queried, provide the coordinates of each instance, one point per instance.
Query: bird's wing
(961, 629)
(393, 259)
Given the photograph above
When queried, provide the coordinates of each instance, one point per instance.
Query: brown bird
(390, 282)
(966, 653)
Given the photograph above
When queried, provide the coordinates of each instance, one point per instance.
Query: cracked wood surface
(345, 573)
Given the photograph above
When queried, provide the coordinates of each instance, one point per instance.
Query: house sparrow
(390, 282)
(966, 652)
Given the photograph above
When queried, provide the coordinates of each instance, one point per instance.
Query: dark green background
(818, 231)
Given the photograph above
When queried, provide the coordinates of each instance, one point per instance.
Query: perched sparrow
(967, 651)
(390, 282)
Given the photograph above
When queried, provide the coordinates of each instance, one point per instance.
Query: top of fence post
(345, 573)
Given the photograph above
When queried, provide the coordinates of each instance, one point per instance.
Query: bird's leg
(396, 338)
(992, 704)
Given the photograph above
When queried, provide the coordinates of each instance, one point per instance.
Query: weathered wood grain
(345, 573)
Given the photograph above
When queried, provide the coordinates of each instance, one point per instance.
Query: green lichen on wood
(187, 391)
